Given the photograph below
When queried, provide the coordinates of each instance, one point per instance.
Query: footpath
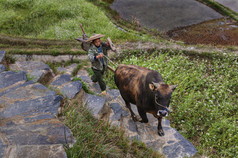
(29, 124)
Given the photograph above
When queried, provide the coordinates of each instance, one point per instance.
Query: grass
(220, 8)
(85, 86)
(97, 138)
(205, 103)
(56, 19)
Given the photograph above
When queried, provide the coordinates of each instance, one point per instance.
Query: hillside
(205, 107)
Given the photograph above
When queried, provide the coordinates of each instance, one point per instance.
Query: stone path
(28, 123)
(29, 126)
(112, 108)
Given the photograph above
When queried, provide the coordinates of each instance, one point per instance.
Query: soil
(215, 32)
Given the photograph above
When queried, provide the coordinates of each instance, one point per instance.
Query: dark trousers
(98, 77)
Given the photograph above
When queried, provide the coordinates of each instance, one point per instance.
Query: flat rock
(29, 66)
(37, 75)
(15, 86)
(43, 151)
(2, 55)
(37, 70)
(61, 70)
(47, 104)
(181, 148)
(10, 78)
(95, 104)
(2, 68)
(3, 147)
(113, 93)
(118, 112)
(82, 72)
(61, 80)
(173, 144)
(86, 79)
(72, 89)
(41, 132)
(29, 127)
(70, 68)
(67, 70)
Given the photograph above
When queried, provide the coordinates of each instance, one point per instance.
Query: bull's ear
(152, 86)
(173, 87)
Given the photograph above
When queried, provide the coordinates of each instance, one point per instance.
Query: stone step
(9, 79)
(67, 70)
(173, 144)
(2, 55)
(67, 88)
(96, 104)
(37, 70)
(112, 108)
(28, 124)
(2, 68)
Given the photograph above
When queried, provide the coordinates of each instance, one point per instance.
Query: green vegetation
(96, 138)
(85, 86)
(56, 19)
(220, 8)
(205, 103)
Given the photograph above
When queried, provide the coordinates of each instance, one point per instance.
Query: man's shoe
(103, 93)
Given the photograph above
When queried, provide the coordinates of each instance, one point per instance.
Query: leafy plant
(205, 103)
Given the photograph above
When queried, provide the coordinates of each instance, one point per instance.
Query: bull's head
(162, 94)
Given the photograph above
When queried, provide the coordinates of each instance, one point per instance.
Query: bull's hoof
(144, 121)
(160, 132)
(136, 118)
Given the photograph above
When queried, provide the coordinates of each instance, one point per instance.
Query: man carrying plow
(97, 55)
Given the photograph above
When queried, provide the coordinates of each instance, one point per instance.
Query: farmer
(96, 55)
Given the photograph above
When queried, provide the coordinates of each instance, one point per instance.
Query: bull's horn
(173, 87)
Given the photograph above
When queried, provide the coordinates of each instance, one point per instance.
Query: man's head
(97, 42)
(95, 39)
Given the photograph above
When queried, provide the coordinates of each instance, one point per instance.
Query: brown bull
(144, 88)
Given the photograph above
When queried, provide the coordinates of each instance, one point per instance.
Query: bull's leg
(143, 115)
(128, 105)
(160, 129)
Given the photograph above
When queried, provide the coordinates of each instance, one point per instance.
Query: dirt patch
(215, 32)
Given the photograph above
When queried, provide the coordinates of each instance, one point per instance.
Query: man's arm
(91, 55)
(106, 45)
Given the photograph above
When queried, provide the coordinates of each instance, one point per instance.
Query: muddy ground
(215, 32)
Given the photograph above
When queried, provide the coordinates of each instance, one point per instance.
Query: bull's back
(129, 79)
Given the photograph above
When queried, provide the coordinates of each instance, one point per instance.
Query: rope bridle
(165, 108)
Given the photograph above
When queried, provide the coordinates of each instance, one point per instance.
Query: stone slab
(29, 66)
(20, 84)
(41, 132)
(43, 151)
(60, 80)
(67, 70)
(37, 70)
(61, 70)
(29, 127)
(37, 75)
(70, 68)
(2, 68)
(3, 147)
(47, 104)
(2, 55)
(72, 89)
(9, 78)
(173, 144)
(28, 92)
(95, 104)
(118, 112)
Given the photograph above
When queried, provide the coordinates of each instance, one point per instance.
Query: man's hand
(99, 56)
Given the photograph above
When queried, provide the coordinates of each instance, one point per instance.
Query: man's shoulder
(92, 48)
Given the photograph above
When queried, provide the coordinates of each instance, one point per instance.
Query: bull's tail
(110, 68)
